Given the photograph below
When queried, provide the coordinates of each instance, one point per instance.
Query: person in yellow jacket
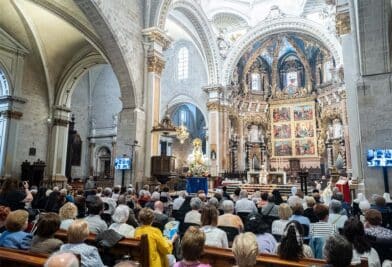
(159, 246)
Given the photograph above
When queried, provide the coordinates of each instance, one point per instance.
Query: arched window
(4, 88)
(183, 63)
(255, 85)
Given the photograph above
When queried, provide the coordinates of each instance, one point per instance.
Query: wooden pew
(220, 257)
(134, 248)
(21, 258)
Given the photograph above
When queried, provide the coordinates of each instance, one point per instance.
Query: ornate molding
(331, 113)
(285, 99)
(198, 19)
(11, 114)
(60, 122)
(260, 119)
(214, 87)
(162, 13)
(155, 63)
(343, 25)
(156, 35)
(216, 106)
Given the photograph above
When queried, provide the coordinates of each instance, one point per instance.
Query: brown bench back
(135, 248)
(220, 257)
(21, 258)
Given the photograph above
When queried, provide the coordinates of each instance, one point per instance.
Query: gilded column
(156, 42)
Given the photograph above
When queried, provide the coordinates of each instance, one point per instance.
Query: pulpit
(163, 167)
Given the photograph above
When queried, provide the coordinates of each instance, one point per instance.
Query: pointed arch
(194, 13)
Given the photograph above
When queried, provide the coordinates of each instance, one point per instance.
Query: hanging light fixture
(182, 133)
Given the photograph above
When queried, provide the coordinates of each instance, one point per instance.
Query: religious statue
(223, 45)
(198, 163)
(234, 79)
(337, 129)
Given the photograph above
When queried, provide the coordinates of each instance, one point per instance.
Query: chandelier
(182, 133)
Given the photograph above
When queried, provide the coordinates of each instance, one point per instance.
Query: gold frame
(293, 123)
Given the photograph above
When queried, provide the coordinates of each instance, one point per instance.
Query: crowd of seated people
(293, 229)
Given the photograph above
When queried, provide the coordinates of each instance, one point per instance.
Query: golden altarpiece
(285, 110)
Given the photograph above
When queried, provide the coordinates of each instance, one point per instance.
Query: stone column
(131, 127)
(156, 42)
(215, 120)
(58, 144)
(10, 114)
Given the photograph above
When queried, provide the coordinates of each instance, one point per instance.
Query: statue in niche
(328, 15)
(337, 129)
(330, 131)
(255, 163)
(254, 135)
(234, 79)
(223, 45)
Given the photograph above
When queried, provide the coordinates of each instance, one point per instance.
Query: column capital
(11, 106)
(155, 62)
(343, 25)
(11, 114)
(60, 116)
(157, 36)
(213, 88)
(214, 91)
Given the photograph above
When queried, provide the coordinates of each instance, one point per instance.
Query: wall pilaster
(155, 42)
(10, 114)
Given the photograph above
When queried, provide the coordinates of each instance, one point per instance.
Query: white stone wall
(174, 91)
(33, 126)
(79, 108)
(367, 66)
(99, 89)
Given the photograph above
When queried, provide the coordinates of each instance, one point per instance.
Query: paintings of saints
(281, 114)
(282, 131)
(304, 129)
(283, 148)
(303, 113)
(304, 147)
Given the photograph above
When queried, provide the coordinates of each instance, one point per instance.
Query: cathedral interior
(255, 91)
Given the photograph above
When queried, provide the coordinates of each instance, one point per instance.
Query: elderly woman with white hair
(120, 225)
(194, 215)
(228, 218)
(336, 217)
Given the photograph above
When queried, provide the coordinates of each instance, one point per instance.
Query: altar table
(194, 184)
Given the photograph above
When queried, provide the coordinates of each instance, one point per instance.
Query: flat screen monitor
(379, 158)
(122, 163)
